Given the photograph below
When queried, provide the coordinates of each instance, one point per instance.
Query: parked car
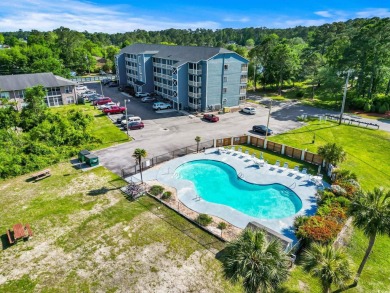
(106, 105)
(101, 72)
(148, 99)
(124, 118)
(114, 110)
(102, 101)
(113, 83)
(211, 117)
(161, 106)
(135, 125)
(249, 110)
(141, 94)
(105, 81)
(262, 129)
(93, 97)
(131, 119)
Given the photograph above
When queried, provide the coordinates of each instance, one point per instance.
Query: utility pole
(127, 126)
(345, 95)
(269, 115)
(101, 88)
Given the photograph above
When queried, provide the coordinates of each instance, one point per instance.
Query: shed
(82, 155)
(92, 160)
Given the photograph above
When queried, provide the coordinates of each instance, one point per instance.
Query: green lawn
(367, 150)
(102, 127)
(88, 238)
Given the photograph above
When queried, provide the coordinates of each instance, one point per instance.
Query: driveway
(168, 131)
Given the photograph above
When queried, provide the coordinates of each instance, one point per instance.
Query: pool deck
(301, 184)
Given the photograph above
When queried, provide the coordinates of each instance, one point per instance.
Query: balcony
(243, 92)
(195, 71)
(244, 68)
(194, 106)
(243, 80)
(194, 83)
(194, 95)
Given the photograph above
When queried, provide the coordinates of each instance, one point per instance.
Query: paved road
(165, 132)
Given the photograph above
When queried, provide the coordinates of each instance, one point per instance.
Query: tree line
(317, 57)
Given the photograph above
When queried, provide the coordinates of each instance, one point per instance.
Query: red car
(135, 125)
(211, 117)
(114, 110)
(102, 101)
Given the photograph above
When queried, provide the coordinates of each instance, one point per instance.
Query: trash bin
(82, 155)
(92, 160)
(226, 110)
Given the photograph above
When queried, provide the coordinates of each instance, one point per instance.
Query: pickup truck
(114, 110)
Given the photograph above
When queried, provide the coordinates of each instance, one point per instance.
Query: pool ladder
(240, 175)
(292, 186)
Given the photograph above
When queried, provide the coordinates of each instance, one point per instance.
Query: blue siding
(183, 85)
(148, 73)
(122, 77)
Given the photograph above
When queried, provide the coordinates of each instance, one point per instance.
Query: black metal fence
(148, 163)
(352, 121)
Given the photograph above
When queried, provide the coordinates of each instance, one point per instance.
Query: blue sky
(120, 16)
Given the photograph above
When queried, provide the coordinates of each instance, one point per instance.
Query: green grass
(102, 126)
(367, 149)
(85, 219)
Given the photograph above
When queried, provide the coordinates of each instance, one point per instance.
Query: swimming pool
(218, 183)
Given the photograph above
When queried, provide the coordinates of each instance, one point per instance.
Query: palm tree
(138, 155)
(222, 226)
(197, 139)
(260, 264)
(332, 153)
(327, 263)
(371, 213)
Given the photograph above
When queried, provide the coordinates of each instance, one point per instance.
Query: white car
(108, 105)
(141, 94)
(249, 110)
(161, 106)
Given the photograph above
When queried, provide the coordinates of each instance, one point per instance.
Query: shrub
(321, 229)
(342, 201)
(166, 195)
(156, 190)
(382, 109)
(358, 103)
(367, 107)
(204, 219)
(324, 195)
(299, 221)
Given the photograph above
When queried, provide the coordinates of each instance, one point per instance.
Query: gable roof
(182, 54)
(23, 81)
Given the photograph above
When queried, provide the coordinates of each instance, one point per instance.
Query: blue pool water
(218, 183)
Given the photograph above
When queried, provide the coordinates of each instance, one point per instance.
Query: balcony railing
(194, 83)
(194, 95)
(244, 69)
(242, 92)
(243, 80)
(195, 71)
(194, 106)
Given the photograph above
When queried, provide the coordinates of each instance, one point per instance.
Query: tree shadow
(100, 191)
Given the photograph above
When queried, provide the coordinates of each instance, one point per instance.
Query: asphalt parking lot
(168, 131)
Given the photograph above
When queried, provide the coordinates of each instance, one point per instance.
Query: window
(225, 79)
(226, 66)
(224, 91)
(4, 95)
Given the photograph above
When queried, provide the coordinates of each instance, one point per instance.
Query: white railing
(194, 95)
(194, 83)
(194, 106)
(195, 71)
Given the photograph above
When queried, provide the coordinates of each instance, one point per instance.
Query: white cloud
(373, 12)
(47, 15)
(323, 13)
(242, 19)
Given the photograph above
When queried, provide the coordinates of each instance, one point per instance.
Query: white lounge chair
(296, 169)
(285, 166)
(277, 163)
(304, 172)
